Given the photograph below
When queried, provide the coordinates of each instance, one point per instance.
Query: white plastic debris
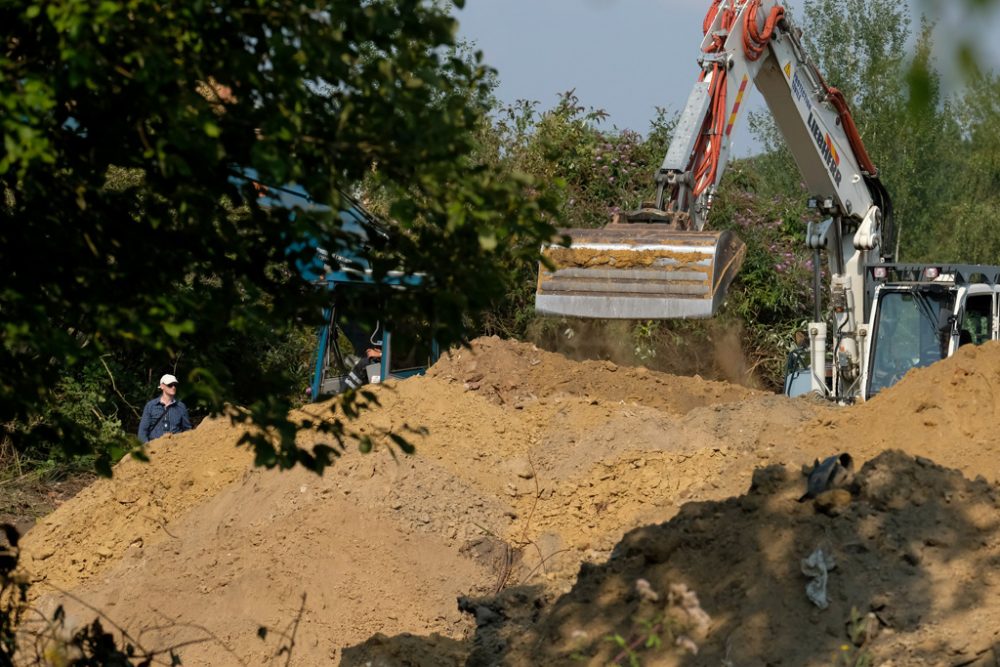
(817, 567)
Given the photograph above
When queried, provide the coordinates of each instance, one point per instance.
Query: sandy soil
(542, 491)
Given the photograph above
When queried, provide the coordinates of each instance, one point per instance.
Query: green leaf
(487, 241)
(102, 465)
(177, 329)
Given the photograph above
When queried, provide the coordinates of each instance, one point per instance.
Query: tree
(978, 17)
(591, 171)
(124, 222)
(968, 230)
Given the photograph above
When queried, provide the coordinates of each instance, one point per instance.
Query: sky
(628, 57)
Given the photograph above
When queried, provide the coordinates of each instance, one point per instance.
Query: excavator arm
(755, 41)
(659, 262)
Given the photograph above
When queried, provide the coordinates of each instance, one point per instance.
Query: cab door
(996, 312)
(976, 319)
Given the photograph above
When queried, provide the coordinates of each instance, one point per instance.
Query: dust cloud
(711, 350)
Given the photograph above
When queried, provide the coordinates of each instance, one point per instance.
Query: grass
(32, 489)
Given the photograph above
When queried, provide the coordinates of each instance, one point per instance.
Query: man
(164, 414)
(359, 374)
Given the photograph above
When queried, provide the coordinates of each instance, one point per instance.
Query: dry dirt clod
(834, 502)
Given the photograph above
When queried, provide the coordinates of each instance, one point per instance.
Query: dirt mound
(513, 373)
(914, 579)
(531, 467)
(949, 407)
(88, 535)
(946, 412)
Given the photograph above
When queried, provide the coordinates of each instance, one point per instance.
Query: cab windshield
(912, 329)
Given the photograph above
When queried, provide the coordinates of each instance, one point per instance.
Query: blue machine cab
(343, 341)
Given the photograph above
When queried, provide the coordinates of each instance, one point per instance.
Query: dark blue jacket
(159, 419)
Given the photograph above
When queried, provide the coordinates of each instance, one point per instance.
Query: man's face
(169, 389)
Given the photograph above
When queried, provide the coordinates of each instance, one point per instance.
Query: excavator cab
(342, 343)
(925, 313)
(912, 328)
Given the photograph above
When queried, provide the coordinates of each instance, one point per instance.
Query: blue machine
(344, 268)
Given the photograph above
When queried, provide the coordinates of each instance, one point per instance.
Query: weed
(674, 621)
(861, 629)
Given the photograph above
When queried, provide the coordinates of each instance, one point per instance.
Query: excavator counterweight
(638, 271)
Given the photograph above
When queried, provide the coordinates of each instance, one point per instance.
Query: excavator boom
(658, 262)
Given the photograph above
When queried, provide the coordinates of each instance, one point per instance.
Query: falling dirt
(713, 350)
(560, 512)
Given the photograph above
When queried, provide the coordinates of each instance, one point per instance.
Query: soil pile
(515, 374)
(947, 412)
(541, 490)
(89, 534)
(913, 580)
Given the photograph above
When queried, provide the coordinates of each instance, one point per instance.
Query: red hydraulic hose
(710, 17)
(708, 148)
(755, 41)
(850, 128)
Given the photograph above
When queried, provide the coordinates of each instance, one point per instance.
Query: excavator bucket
(638, 271)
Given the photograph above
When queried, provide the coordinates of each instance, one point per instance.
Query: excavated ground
(542, 491)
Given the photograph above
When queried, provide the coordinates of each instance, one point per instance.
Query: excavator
(345, 273)
(660, 262)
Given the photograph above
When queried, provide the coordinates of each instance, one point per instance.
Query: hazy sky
(624, 56)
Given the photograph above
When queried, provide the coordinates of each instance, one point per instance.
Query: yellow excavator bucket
(638, 271)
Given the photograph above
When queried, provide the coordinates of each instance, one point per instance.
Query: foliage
(861, 628)
(967, 44)
(122, 226)
(659, 622)
(776, 276)
(605, 171)
(80, 399)
(592, 173)
(967, 231)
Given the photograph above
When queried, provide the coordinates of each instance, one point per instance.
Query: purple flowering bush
(772, 297)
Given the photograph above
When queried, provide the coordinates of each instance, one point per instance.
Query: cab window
(977, 321)
(911, 330)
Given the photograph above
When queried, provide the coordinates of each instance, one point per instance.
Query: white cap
(168, 379)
